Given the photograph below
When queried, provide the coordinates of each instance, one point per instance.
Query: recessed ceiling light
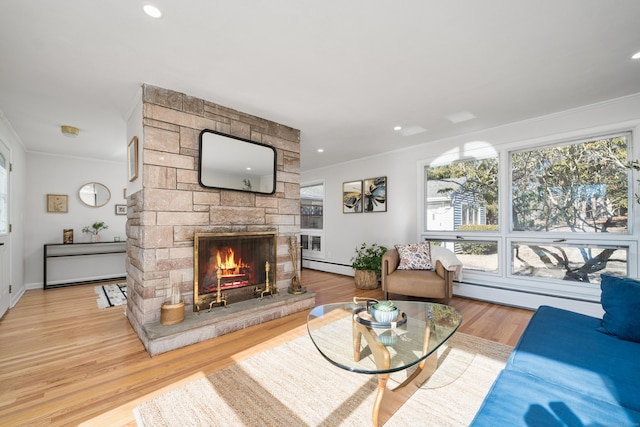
(397, 128)
(412, 130)
(152, 11)
(320, 150)
(636, 56)
(249, 168)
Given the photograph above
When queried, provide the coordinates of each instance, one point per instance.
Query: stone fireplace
(235, 265)
(168, 208)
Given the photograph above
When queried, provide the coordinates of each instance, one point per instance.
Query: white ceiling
(344, 72)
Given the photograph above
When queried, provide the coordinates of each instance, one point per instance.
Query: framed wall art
(57, 203)
(132, 158)
(352, 197)
(375, 194)
(121, 209)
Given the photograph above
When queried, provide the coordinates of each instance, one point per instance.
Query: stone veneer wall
(172, 206)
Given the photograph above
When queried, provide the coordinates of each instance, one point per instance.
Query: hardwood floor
(65, 362)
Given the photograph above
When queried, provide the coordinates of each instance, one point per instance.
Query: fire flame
(229, 265)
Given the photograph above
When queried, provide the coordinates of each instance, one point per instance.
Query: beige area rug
(293, 385)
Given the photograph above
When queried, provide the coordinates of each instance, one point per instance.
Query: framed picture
(121, 209)
(375, 194)
(352, 197)
(58, 203)
(132, 158)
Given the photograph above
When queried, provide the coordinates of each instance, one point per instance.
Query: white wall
(343, 232)
(63, 175)
(17, 203)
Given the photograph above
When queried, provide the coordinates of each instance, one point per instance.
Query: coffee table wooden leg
(383, 361)
(378, 403)
(387, 401)
(357, 339)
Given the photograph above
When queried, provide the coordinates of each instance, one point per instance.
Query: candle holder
(172, 310)
(221, 299)
(269, 289)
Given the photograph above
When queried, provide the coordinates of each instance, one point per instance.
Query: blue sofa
(567, 371)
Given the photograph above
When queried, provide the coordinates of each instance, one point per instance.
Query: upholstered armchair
(436, 283)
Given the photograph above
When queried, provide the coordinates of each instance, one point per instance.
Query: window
(562, 261)
(312, 220)
(566, 209)
(571, 189)
(475, 255)
(462, 196)
(311, 206)
(575, 188)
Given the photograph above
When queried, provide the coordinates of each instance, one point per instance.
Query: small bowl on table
(384, 312)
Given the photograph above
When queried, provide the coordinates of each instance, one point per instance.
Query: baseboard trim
(488, 293)
(329, 267)
(526, 300)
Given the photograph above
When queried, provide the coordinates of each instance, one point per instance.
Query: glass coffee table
(337, 331)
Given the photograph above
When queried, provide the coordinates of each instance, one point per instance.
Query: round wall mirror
(94, 194)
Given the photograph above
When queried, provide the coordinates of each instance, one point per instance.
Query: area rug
(293, 385)
(111, 295)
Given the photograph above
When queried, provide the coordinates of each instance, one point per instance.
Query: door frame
(5, 238)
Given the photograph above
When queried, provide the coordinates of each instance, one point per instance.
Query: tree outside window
(559, 194)
(577, 188)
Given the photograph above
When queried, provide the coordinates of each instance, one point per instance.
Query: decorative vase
(95, 238)
(366, 279)
(171, 314)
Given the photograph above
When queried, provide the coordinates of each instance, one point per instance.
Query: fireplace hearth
(232, 267)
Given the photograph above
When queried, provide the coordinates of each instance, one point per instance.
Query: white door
(5, 297)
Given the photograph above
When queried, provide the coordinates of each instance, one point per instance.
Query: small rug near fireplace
(293, 385)
(111, 295)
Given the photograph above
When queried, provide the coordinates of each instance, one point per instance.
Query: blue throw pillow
(621, 303)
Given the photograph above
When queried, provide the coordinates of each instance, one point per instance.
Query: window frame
(312, 233)
(563, 143)
(502, 278)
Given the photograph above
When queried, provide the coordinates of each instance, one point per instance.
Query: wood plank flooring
(63, 361)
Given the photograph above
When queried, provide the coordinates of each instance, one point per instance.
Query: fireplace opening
(232, 267)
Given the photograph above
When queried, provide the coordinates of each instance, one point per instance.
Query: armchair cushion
(415, 256)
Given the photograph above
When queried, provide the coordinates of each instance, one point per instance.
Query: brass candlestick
(221, 299)
(268, 288)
